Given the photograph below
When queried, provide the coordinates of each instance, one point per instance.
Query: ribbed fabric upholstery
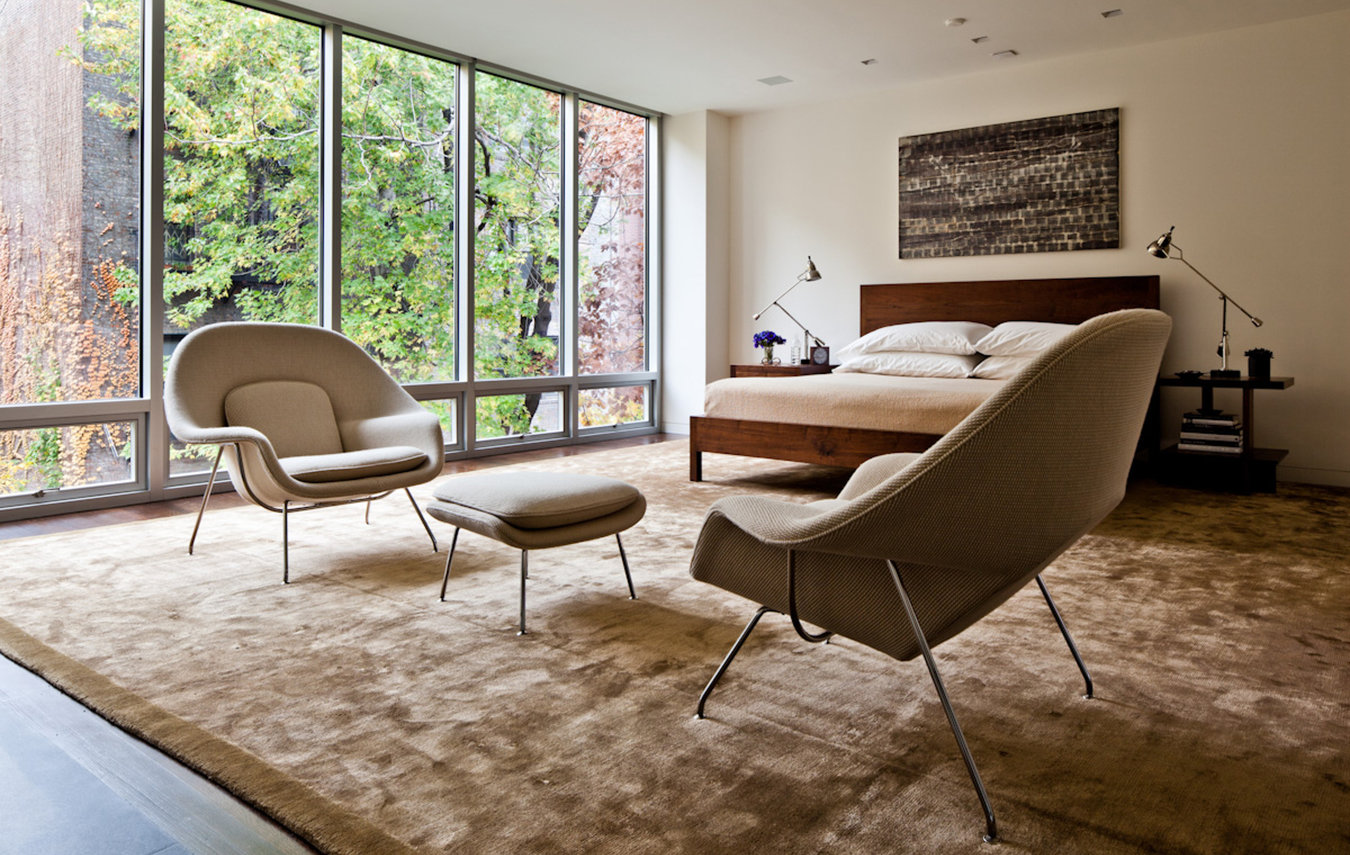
(386, 438)
(350, 465)
(971, 520)
(538, 510)
(297, 418)
(538, 500)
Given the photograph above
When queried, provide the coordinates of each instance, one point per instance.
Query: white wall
(694, 331)
(1240, 139)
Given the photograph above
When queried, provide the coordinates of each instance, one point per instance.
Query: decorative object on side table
(767, 339)
(1258, 363)
(1160, 248)
(813, 343)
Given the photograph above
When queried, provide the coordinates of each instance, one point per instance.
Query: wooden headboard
(1065, 301)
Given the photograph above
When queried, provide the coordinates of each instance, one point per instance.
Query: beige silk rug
(361, 712)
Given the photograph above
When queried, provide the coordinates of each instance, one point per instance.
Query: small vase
(768, 355)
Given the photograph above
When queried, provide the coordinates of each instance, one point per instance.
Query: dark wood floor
(71, 783)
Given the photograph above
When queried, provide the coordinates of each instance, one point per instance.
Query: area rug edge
(288, 802)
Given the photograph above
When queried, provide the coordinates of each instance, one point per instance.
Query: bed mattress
(882, 402)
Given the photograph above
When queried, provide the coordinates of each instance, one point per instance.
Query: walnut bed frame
(1067, 301)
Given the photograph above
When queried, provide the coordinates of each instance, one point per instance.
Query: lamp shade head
(812, 274)
(1159, 248)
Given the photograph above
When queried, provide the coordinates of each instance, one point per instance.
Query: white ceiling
(684, 55)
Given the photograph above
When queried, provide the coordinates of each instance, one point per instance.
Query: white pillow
(1021, 338)
(909, 364)
(1001, 367)
(957, 337)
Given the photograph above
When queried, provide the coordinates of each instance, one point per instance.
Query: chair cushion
(351, 465)
(296, 417)
(539, 500)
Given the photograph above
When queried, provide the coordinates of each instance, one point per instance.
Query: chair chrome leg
(524, 574)
(991, 829)
(369, 502)
(286, 542)
(206, 497)
(823, 637)
(434, 547)
(632, 595)
(726, 662)
(1064, 630)
(451, 557)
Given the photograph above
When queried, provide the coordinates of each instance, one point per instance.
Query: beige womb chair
(303, 417)
(918, 547)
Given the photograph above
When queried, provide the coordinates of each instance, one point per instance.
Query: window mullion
(464, 248)
(153, 459)
(568, 269)
(330, 181)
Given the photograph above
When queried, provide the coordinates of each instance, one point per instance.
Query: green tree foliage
(242, 194)
(398, 208)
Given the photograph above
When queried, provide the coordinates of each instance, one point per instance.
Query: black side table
(1253, 469)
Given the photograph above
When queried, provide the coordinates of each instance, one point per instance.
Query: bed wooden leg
(695, 450)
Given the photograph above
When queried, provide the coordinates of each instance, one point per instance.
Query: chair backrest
(1024, 476)
(248, 359)
(295, 416)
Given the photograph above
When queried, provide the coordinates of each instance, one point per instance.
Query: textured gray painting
(1042, 185)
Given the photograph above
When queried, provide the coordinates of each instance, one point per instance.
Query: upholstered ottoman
(537, 510)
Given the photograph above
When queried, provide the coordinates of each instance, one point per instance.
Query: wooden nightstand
(759, 369)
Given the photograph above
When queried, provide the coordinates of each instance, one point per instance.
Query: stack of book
(1211, 431)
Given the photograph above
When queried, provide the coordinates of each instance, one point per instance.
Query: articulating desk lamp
(817, 353)
(1160, 249)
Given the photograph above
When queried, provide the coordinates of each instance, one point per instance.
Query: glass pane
(518, 415)
(445, 411)
(61, 458)
(618, 405)
(69, 200)
(241, 166)
(189, 459)
(611, 221)
(517, 166)
(398, 208)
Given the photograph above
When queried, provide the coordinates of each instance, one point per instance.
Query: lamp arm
(1180, 256)
(808, 333)
(775, 300)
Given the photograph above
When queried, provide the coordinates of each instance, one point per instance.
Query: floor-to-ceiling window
(612, 262)
(70, 289)
(518, 250)
(241, 173)
(399, 165)
(492, 232)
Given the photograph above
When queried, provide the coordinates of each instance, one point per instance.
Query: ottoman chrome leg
(451, 557)
(524, 574)
(632, 595)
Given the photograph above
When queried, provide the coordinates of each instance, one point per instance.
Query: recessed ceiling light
(869, 62)
(1003, 54)
(776, 80)
(980, 39)
(1113, 13)
(954, 22)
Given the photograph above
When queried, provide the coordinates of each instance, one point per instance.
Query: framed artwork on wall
(1040, 185)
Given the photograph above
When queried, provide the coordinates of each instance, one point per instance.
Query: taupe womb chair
(303, 418)
(916, 548)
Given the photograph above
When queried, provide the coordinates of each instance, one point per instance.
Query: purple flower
(768, 338)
